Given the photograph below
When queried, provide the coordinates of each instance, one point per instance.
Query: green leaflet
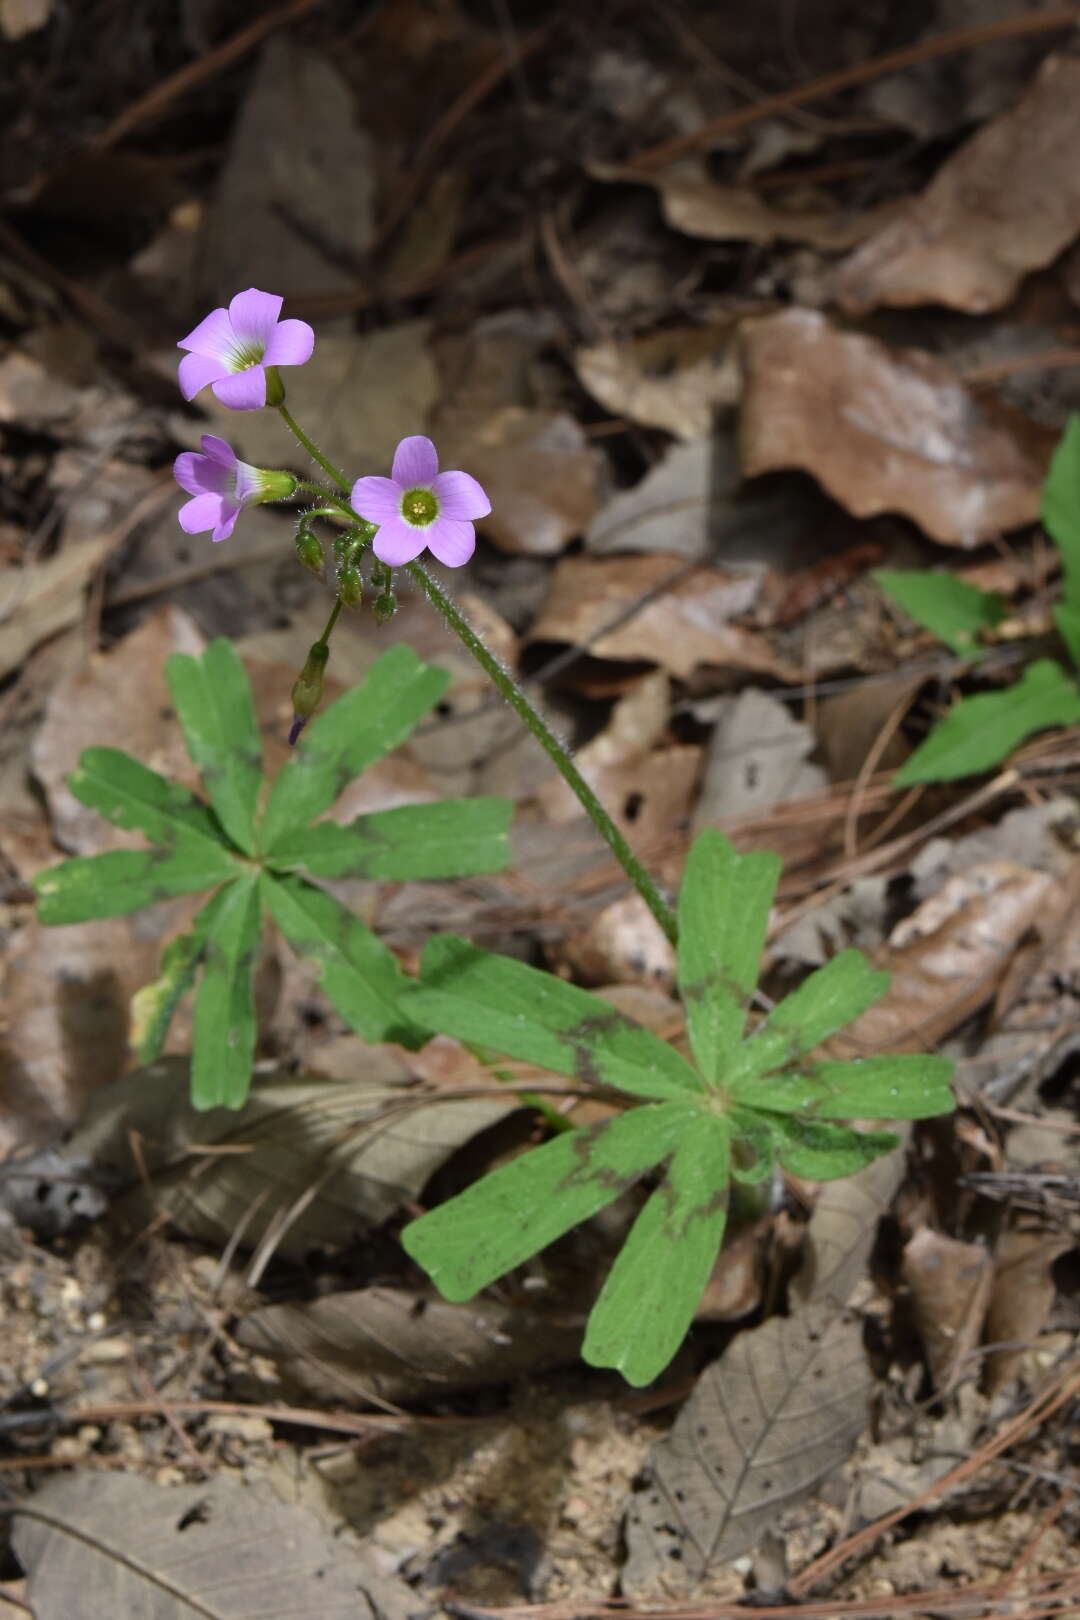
(356, 970)
(979, 732)
(832, 996)
(822, 1151)
(653, 1289)
(909, 1085)
(358, 728)
(225, 1030)
(452, 838)
(213, 699)
(124, 880)
(723, 914)
(129, 794)
(948, 607)
(1061, 515)
(493, 1001)
(522, 1207)
(153, 1006)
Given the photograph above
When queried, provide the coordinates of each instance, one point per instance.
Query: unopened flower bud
(309, 550)
(350, 586)
(384, 607)
(308, 690)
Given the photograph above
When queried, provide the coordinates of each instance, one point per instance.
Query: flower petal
(199, 475)
(377, 499)
(397, 543)
(204, 512)
(250, 483)
(229, 515)
(196, 370)
(452, 542)
(213, 337)
(245, 391)
(416, 461)
(460, 496)
(290, 344)
(254, 315)
(219, 450)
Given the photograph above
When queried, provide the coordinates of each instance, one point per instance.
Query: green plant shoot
(262, 851)
(747, 1100)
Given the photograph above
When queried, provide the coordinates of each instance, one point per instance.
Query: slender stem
(331, 621)
(551, 745)
(520, 704)
(313, 450)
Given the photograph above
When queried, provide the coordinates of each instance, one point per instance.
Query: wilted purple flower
(420, 506)
(223, 485)
(232, 348)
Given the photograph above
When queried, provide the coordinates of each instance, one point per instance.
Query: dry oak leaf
(1007, 202)
(683, 619)
(950, 1286)
(885, 430)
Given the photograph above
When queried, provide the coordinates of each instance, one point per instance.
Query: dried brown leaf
(770, 1419)
(1021, 1298)
(1007, 202)
(540, 474)
(42, 598)
(885, 430)
(216, 1550)
(393, 1345)
(950, 1286)
(310, 1158)
(674, 379)
(843, 1228)
(683, 620)
(694, 203)
(756, 758)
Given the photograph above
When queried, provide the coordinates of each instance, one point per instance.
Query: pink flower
(420, 506)
(232, 348)
(223, 485)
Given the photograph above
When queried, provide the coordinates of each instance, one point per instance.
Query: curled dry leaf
(1021, 1297)
(699, 206)
(884, 430)
(674, 379)
(217, 1550)
(540, 474)
(950, 1286)
(683, 619)
(309, 1161)
(390, 1345)
(767, 1421)
(1007, 202)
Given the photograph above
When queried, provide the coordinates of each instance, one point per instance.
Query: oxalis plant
(978, 732)
(752, 1095)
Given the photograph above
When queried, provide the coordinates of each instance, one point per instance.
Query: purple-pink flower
(419, 506)
(232, 348)
(222, 485)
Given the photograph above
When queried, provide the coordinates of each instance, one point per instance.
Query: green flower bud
(308, 689)
(309, 550)
(350, 586)
(384, 607)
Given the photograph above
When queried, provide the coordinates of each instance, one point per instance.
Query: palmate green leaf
(818, 1149)
(358, 728)
(452, 838)
(358, 972)
(656, 1283)
(124, 880)
(948, 607)
(496, 1002)
(897, 1085)
(153, 1006)
(723, 914)
(979, 732)
(517, 1210)
(129, 794)
(832, 996)
(213, 699)
(224, 1038)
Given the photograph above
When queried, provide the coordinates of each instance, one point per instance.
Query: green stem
(331, 621)
(520, 704)
(313, 451)
(551, 745)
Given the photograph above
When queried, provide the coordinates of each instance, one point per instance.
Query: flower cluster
(236, 352)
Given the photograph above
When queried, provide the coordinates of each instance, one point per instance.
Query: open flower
(232, 348)
(223, 485)
(420, 506)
